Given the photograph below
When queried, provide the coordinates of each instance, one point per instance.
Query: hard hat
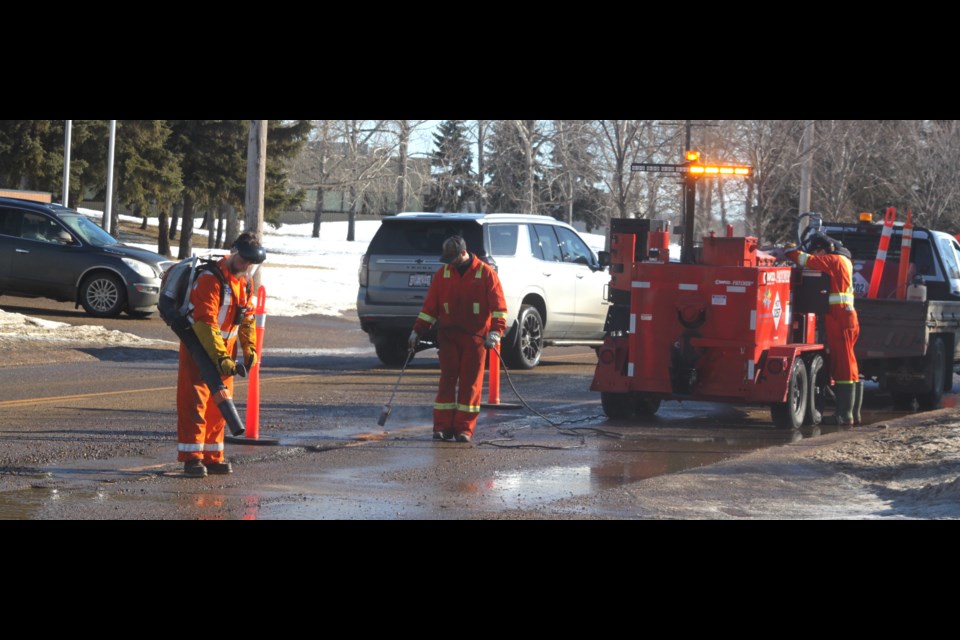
(249, 249)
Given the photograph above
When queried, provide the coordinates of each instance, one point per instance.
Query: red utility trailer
(723, 324)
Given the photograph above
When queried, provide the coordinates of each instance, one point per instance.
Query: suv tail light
(364, 272)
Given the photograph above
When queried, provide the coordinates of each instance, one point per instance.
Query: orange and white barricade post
(493, 382)
(906, 242)
(252, 433)
(881, 260)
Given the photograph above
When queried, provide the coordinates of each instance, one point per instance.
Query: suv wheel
(523, 351)
(103, 295)
(392, 350)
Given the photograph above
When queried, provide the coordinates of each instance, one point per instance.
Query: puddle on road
(30, 503)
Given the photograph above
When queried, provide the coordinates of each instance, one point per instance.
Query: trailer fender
(613, 371)
(772, 375)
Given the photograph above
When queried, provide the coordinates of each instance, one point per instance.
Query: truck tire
(819, 381)
(392, 350)
(524, 345)
(790, 414)
(935, 365)
(618, 406)
(904, 400)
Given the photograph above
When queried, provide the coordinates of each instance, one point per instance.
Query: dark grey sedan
(48, 251)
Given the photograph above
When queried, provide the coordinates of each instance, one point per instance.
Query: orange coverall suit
(842, 325)
(199, 422)
(467, 308)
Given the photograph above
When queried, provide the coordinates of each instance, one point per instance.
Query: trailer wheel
(617, 405)
(935, 364)
(644, 405)
(790, 414)
(819, 380)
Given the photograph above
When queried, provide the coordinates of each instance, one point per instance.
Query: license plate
(420, 279)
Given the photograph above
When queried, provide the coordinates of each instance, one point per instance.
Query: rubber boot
(844, 394)
(857, 401)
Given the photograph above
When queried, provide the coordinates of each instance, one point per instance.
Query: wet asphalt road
(90, 434)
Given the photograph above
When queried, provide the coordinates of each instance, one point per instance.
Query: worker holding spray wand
(466, 301)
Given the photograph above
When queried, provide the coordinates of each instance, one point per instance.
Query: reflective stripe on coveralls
(200, 425)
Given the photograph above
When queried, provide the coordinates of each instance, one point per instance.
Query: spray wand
(387, 408)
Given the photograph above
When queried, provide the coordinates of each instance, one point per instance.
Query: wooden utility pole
(256, 182)
(256, 177)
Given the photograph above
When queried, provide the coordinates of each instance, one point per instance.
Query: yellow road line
(25, 401)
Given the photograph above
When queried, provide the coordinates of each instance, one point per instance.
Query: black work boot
(194, 469)
(219, 468)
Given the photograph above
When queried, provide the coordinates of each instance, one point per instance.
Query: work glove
(227, 367)
(250, 359)
(777, 252)
(247, 333)
(212, 340)
(413, 340)
(493, 339)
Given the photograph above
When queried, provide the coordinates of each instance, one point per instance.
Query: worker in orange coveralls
(466, 298)
(218, 326)
(842, 326)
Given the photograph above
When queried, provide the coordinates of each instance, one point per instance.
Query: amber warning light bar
(694, 169)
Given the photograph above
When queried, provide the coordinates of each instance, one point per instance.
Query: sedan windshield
(88, 230)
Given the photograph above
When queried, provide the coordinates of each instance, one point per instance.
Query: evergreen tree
(29, 155)
(214, 163)
(147, 173)
(514, 166)
(285, 139)
(453, 183)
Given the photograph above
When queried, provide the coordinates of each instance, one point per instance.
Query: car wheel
(103, 295)
(392, 351)
(525, 344)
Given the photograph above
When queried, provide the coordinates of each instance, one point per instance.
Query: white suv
(553, 283)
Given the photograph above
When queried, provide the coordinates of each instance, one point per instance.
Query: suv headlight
(140, 268)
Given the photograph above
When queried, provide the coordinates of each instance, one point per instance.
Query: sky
(301, 276)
